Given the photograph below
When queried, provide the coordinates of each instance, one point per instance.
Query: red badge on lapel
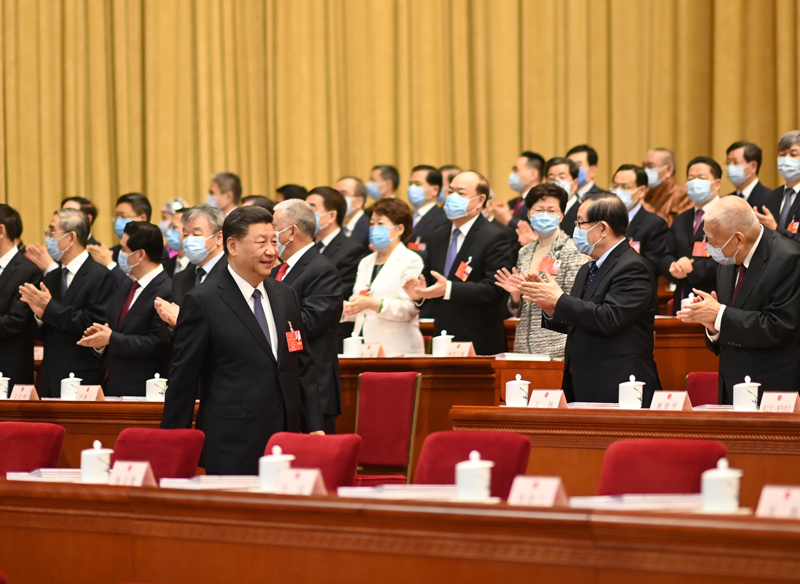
(294, 340)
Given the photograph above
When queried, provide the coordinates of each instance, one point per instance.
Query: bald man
(753, 317)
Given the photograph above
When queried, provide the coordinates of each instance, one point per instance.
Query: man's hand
(500, 211)
(544, 294)
(36, 298)
(681, 268)
(168, 311)
(101, 254)
(766, 218)
(412, 286)
(510, 281)
(37, 253)
(317, 433)
(525, 233)
(360, 303)
(437, 290)
(96, 336)
(704, 309)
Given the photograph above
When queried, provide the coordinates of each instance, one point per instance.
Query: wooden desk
(541, 374)
(82, 534)
(570, 443)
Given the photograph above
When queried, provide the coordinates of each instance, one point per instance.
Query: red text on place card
(132, 474)
(24, 392)
(676, 401)
(90, 393)
(537, 492)
(780, 401)
(547, 398)
(459, 350)
(779, 502)
(370, 351)
(300, 481)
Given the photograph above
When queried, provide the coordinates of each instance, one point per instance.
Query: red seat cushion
(335, 456)
(172, 454)
(378, 479)
(26, 446)
(441, 451)
(657, 466)
(703, 388)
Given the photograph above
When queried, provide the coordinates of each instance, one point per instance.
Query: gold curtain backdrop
(103, 97)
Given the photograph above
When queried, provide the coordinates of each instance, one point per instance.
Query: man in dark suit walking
(130, 341)
(69, 301)
(753, 318)
(319, 290)
(608, 315)
(459, 274)
(240, 336)
(743, 166)
(17, 325)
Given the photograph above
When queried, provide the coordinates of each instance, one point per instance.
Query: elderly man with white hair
(753, 317)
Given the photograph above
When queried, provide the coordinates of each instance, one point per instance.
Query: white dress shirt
(571, 201)
(599, 261)
(75, 265)
(180, 264)
(632, 212)
(745, 192)
(4, 261)
(247, 292)
(350, 225)
(464, 230)
(422, 211)
(296, 257)
(144, 281)
(209, 265)
(326, 242)
(584, 189)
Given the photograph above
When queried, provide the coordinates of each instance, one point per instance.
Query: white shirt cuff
(717, 325)
(448, 290)
(50, 268)
(112, 265)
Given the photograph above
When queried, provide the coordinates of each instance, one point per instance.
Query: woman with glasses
(551, 253)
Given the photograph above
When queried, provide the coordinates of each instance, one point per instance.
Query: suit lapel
(77, 281)
(5, 277)
(633, 226)
(608, 264)
(297, 269)
(279, 314)
(464, 253)
(726, 283)
(144, 300)
(232, 296)
(758, 264)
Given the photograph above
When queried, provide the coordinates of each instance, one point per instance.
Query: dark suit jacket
(361, 231)
(610, 330)
(345, 253)
(319, 289)
(704, 269)
(87, 301)
(758, 196)
(428, 224)
(773, 203)
(246, 394)
(760, 332)
(652, 233)
(17, 325)
(476, 309)
(568, 222)
(136, 352)
(92, 240)
(184, 280)
(122, 277)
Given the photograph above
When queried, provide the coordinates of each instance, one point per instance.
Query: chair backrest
(657, 466)
(26, 446)
(335, 456)
(441, 451)
(172, 454)
(703, 388)
(386, 415)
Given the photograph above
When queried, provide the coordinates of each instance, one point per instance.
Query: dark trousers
(329, 424)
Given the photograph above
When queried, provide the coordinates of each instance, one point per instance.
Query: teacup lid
(444, 335)
(1, 377)
(722, 471)
(520, 380)
(355, 335)
(72, 378)
(278, 455)
(475, 461)
(157, 377)
(748, 382)
(632, 381)
(97, 446)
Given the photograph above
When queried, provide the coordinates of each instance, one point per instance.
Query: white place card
(132, 474)
(24, 392)
(38, 353)
(90, 393)
(538, 492)
(779, 502)
(370, 351)
(300, 481)
(459, 350)
(780, 401)
(675, 401)
(547, 398)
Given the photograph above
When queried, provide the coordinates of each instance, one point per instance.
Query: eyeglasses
(579, 223)
(53, 233)
(542, 212)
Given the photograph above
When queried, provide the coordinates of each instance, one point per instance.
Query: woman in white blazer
(382, 311)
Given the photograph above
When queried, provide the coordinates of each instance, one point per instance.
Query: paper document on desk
(213, 482)
(693, 502)
(521, 357)
(397, 492)
(50, 475)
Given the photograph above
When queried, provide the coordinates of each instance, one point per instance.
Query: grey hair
(299, 213)
(215, 216)
(732, 213)
(670, 156)
(74, 220)
(788, 140)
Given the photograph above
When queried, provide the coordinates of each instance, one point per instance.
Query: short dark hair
(238, 223)
(388, 172)
(229, 183)
(716, 170)
(332, 200)
(138, 202)
(574, 167)
(361, 189)
(396, 211)
(591, 153)
(609, 208)
(543, 190)
(86, 206)
(260, 201)
(641, 175)
(482, 188)
(146, 236)
(292, 191)
(752, 152)
(534, 161)
(450, 171)
(10, 219)
(433, 178)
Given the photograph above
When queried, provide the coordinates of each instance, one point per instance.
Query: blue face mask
(416, 196)
(455, 207)
(653, 180)
(718, 256)
(442, 198)
(51, 243)
(122, 262)
(514, 182)
(566, 185)
(174, 240)
(545, 224)
(211, 201)
(119, 226)
(379, 236)
(320, 227)
(736, 174)
(281, 246)
(194, 247)
(699, 190)
(789, 168)
(626, 197)
(349, 201)
(581, 239)
(582, 177)
(373, 190)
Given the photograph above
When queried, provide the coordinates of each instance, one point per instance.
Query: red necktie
(127, 306)
(742, 272)
(281, 272)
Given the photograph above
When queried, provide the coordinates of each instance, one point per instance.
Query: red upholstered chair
(386, 417)
(26, 446)
(703, 388)
(441, 451)
(172, 454)
(335, 456)
(3, 579)
(657, 466)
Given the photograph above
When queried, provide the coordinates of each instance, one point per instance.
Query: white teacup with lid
(474, 478)
(96, 464)
(156, 388)
(439, 344)
(351, 345)
(517, 392)
(69, 387)
(687, 301)
(720, 488)
(631, 393)
(4, 386)
(745, 396)
(270, 466)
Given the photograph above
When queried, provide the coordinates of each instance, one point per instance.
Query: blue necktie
(261, 318)
(416, 218)
(64, 285)
(452, 252)
(592, 272)
(787, 205)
